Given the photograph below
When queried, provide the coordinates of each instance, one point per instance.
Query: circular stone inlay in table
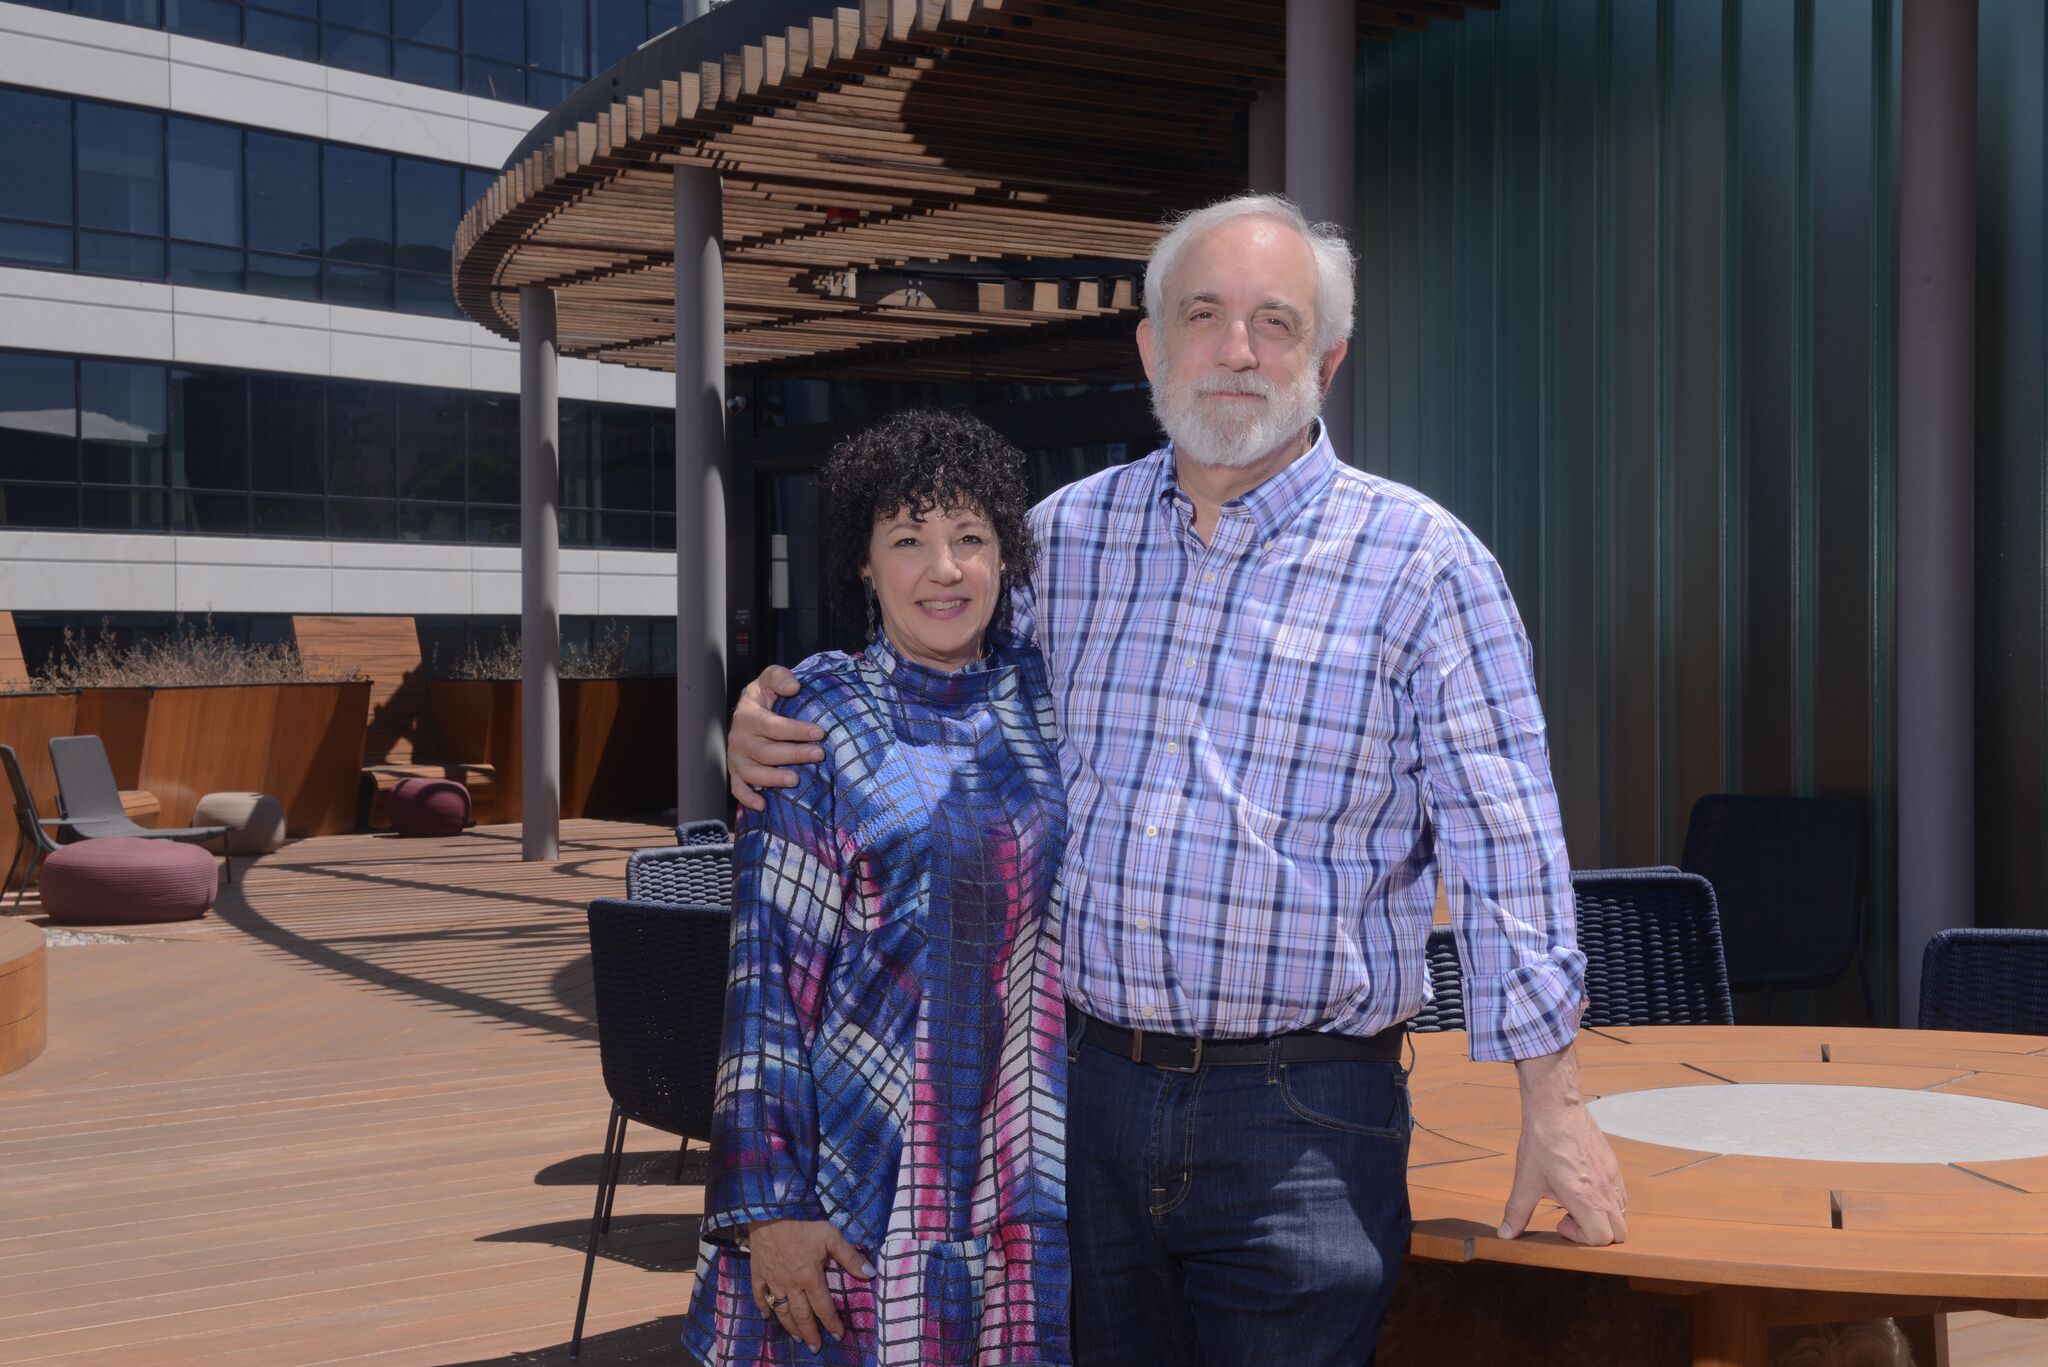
(1832, 1124)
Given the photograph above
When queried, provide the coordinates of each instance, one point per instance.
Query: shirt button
(1209, 578)
(1146, 1012)
(1151, 830)
(1267, 547)
(1190, 662)
(1171, 748)
(1144, 924)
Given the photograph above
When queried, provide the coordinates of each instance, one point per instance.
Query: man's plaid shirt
(1272, 742)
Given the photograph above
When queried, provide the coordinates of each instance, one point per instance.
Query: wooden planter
(300, 742)
(618, 741)
(27, 722)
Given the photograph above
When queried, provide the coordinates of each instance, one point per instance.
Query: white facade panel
(137, 320)
(239, 96)
(631, 384)
(47, 51)
(494, 593)
(397, 360)
(379, 123)
(579, 594)
(227, 552)
(88, 572)
(54, 312)
(639, 595)
(86, 586)
(204, 588)
(494, 366)
(401, 592)
(206, 340)
(410, 557)
(101, 59)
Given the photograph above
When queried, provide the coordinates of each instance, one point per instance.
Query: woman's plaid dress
(893, 1056)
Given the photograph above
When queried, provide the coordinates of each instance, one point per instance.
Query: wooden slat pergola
(911, 187)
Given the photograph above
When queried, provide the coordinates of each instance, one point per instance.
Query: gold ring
(777, 1302)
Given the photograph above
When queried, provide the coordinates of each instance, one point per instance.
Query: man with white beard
(1289, 693)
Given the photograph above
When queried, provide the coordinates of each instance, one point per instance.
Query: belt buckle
(1138, 1052)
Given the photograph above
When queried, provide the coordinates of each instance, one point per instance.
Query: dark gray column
(540, 598)
(1936, 460)
(700, 497)
(1321, 140)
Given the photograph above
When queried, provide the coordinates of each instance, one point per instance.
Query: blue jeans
(1239, 1216)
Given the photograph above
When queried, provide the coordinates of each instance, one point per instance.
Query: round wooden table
(1753, 1238)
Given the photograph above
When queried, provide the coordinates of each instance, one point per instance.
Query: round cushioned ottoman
(428, 806)
(255, 821)
(123, 880)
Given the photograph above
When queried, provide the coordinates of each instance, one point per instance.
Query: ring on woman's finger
(777, 1302)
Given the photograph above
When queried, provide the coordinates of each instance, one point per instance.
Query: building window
(535, 52)
(109, 190)
(130, 446)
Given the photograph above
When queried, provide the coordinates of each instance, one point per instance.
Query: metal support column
(700, 497)
(1936, 471)
(540, 598)
(1322, 37)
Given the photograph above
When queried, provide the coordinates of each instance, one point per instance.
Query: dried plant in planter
(191, 656)
(605, 658)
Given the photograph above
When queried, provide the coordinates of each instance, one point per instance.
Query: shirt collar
(1276, 503)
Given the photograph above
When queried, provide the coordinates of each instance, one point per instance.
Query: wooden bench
(400, 742)
(24, 994)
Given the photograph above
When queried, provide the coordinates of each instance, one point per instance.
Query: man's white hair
(1336, 271)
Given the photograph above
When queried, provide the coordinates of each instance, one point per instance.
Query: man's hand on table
(762, 744)
(1563, 1155)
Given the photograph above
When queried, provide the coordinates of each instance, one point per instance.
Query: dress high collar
(971, 683)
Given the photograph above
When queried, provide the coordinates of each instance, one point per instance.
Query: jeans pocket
(1349, 1097)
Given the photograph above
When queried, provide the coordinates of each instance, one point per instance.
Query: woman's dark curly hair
(926, 460)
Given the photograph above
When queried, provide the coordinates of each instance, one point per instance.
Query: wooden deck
(353, 1116)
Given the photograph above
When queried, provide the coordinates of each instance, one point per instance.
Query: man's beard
(1229, 439)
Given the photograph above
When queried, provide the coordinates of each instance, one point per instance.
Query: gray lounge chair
(89, 800)
(35, 842)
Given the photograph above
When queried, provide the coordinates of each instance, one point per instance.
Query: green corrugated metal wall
(1626, 308)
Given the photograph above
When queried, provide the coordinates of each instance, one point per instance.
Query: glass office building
(233, 380)
(532, 52)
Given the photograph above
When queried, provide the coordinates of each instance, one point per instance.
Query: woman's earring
(869, 584)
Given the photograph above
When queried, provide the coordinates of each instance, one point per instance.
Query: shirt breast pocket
(1323, 723)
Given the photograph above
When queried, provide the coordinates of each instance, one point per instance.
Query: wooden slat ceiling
(908, 183)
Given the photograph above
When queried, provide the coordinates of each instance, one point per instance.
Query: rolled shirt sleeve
(1499, 840)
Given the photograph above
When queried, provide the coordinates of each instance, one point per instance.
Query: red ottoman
(428, 806)
(121, 880)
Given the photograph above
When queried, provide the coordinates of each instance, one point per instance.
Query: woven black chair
(1445, 1010)
(1784, 871)
(658, 974)
(1652, 941)
(35, 842)
(703, 833)
(1994, 980)
(681, 875)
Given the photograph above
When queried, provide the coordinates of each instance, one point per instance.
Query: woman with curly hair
(887, 1158)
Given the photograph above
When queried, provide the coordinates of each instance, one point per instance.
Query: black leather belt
(1183, 1054)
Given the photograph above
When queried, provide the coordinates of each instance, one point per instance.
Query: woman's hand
(789, 1274)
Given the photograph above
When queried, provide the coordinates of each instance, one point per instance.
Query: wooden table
(1755, 1241)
